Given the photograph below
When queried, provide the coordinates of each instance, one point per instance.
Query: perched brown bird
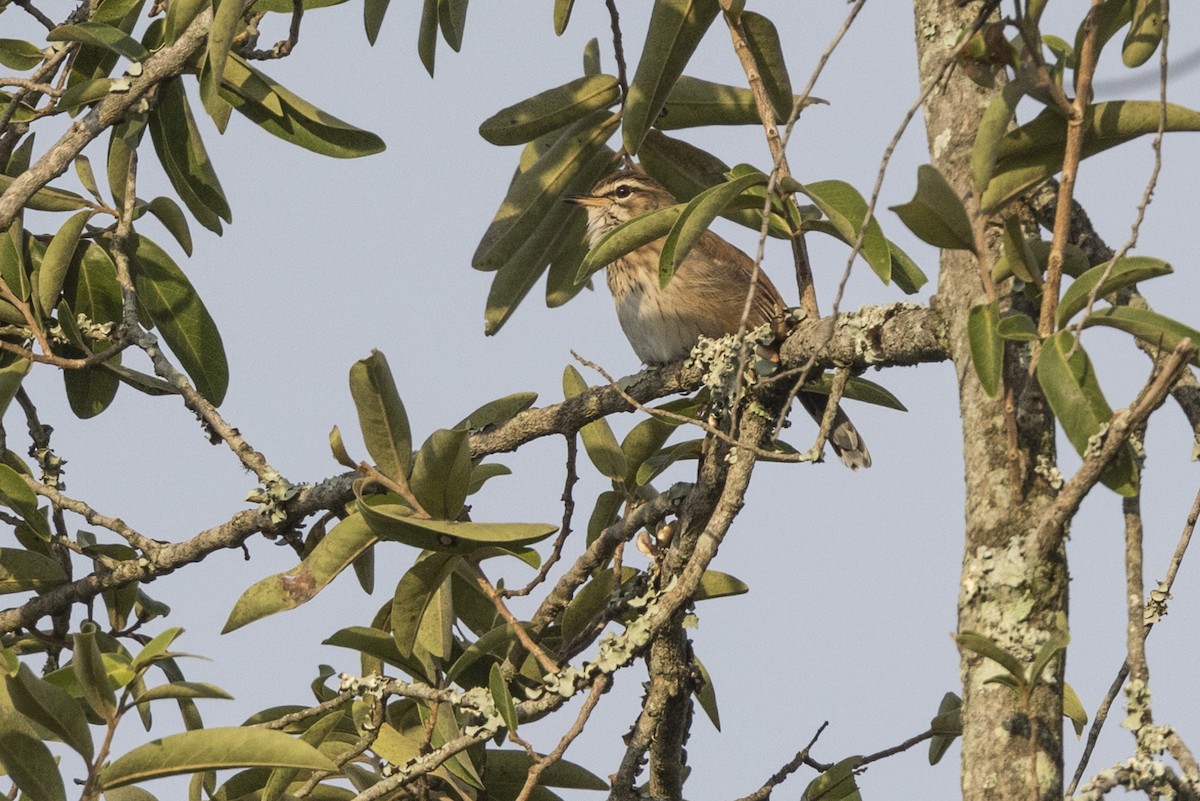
(706, 295)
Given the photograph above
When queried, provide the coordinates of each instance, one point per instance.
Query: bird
(705, 297)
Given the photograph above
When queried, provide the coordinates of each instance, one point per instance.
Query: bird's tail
(847, 443)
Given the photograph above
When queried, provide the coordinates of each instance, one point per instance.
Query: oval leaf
(987, 348)
(381, 415)
(212, 749)
(1126, 271)
(1077, 401)
(598, 438)
(936, 213)
(550, 110)
(675, 30)
(695, 220)
(182, 319)
(344, 543)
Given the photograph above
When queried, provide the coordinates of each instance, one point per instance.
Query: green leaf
(377, 645)
(182, 689)
(598, 438)
(936, 213)
(57, 259)
(373, 13)
(987, 347)
(629, 236)
(48, 198)
(1034, 152)
(695, 103)
(550, 110)
(16, 495)
(647, 437)
(89, 670)
(846, 210)
(427, 35)
(763, 41)
(498, 411)
(338, 446)
(212, 749)
(946, 725)
(507, 769)
(52, 707)
(502, 698)
(564, 265)
(1075, 262)
(695, 220)
(706, 694)
(181, 317)
(1151, 327)
(985, 647)
(344, 543)
(562, 15)
(1078, 402)
(180, 14)
(27, 760)
(1018, 257)
(1018, 327)
(1126, 271)
(591, 53)
(441, 473)
(381, 415)
(993, 125)
(858, 389)
(156, 649)
(537, 190)
(184, 158)
(675, 30)
(415, 592)
(22, 571)
(834, 784)
(551, 235)
(1073, 709)
(590, 601)
(226, 21)
(686, 171)
(481, 473)
(87, 177)
(13, 370)
(393, 521)
(1054, 645)
(660, 461)
(279, 112)
(168, 213)
(452, 18)
(20, 55)
(87, 92)
(98, 34)
(715, 584)
(1144, 33)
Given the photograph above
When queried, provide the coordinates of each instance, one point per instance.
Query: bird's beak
(584, 200)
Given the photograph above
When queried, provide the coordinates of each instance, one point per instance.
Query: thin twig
(1164, 592)
(764, 792)
(599, 685)
(665, 414)
(518, 629)
(1123, 422)
(1089, 51)
(564, 530)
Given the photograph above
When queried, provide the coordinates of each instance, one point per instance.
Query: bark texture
(1012, 746)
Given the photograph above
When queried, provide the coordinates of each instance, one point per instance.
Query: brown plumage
(706, 296)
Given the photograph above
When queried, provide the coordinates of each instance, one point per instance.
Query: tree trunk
(1011, 747)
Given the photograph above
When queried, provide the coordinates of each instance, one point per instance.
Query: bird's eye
(622, 191)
